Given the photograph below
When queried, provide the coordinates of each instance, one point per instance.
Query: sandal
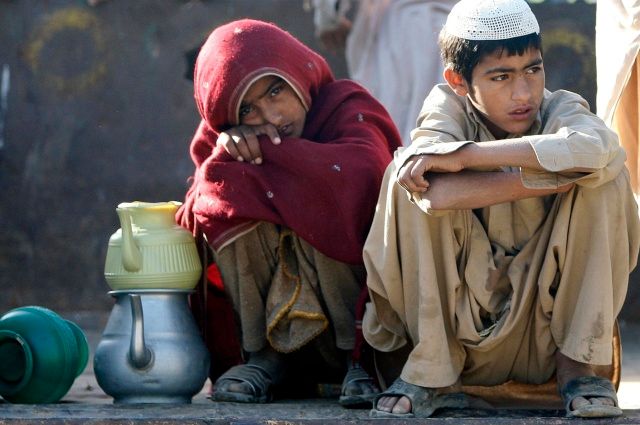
(590, 386)
(258, 379)
(425, 401)
(357, 374)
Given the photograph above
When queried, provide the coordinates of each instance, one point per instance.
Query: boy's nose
(521, 90)
(273, 117)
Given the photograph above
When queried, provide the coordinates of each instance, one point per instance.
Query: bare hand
(242, 143)
(335, 39)
(412, 175)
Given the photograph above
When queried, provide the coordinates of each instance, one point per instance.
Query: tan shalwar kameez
(489, 295)
(286, 293)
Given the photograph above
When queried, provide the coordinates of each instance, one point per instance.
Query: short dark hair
(463, 55)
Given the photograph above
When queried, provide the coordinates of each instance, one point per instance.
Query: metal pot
(151, 350)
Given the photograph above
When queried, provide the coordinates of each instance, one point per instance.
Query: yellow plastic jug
(150, 251)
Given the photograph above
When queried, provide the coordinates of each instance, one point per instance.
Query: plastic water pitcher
(150, 251)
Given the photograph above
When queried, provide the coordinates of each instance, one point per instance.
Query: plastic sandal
(424, 401)
(258, 379)
(590, 386)
(357, 374)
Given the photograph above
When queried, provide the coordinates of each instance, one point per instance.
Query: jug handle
(131, 256)
(139, 354)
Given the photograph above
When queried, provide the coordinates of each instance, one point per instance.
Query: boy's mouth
(521, 113)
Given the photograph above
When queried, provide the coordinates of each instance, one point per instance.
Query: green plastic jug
(41, 354)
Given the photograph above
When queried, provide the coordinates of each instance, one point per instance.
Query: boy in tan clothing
(505, 234)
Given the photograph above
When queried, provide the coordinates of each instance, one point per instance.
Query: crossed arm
(448, 181)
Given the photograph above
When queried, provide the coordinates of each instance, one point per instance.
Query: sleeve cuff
(553, 153)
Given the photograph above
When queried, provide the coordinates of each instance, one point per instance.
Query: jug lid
(158, 206)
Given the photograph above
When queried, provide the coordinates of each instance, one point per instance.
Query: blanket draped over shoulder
(322, 185)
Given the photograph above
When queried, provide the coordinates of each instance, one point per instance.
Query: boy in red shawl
(288, 166)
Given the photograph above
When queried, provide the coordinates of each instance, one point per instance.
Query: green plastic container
(41, 354)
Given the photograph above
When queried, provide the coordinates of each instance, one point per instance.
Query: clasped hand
(413, 174)
(241, 142)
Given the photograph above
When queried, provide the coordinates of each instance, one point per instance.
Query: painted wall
(98, 111)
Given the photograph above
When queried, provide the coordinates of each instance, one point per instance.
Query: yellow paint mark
(577, 43)
(62, 20)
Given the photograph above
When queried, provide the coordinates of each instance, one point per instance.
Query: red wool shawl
(323, 185)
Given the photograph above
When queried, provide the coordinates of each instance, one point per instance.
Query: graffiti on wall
(67, 51)
(576, 51)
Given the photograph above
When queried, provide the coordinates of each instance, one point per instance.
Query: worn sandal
(357, 374)
(590, 386)
(258, 379)
(425, 401)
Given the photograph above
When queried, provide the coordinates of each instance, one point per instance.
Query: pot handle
(131, 255)
(140, 355)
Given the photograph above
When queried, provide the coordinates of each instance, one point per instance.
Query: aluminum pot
(151, 350)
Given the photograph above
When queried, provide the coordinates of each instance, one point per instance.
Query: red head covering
(237, 54)
(323, 185)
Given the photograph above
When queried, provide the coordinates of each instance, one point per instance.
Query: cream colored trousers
(470, 309)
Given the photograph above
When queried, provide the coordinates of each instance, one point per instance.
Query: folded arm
(447, 181)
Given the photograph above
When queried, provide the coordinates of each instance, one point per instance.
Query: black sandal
(357, 374)
(590, 386)
(425, 401)
(255, 376)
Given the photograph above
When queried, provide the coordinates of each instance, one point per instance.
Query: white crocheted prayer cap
(491, 20)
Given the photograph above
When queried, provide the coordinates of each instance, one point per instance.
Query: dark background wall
(99, 112)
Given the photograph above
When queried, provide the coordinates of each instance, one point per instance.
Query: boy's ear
(456, 82)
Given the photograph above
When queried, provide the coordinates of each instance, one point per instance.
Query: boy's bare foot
(402, 405)
(568, 369)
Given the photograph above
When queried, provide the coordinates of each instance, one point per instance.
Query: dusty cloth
(321, 185)
(617, 48)
(488, 295)
(380, 50)
(286, 292)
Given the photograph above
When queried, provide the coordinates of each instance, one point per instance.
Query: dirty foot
(401, 405)
(358, 388)
(584, 393)
(251, 382)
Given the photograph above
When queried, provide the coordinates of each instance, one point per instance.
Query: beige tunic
(490, 294)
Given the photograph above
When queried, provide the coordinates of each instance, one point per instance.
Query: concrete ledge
(287, 412)
(86, 403)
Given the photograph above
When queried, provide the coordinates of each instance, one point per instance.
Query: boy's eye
(275, 90)
(534, 70)
(245, 110)
(500, 77)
